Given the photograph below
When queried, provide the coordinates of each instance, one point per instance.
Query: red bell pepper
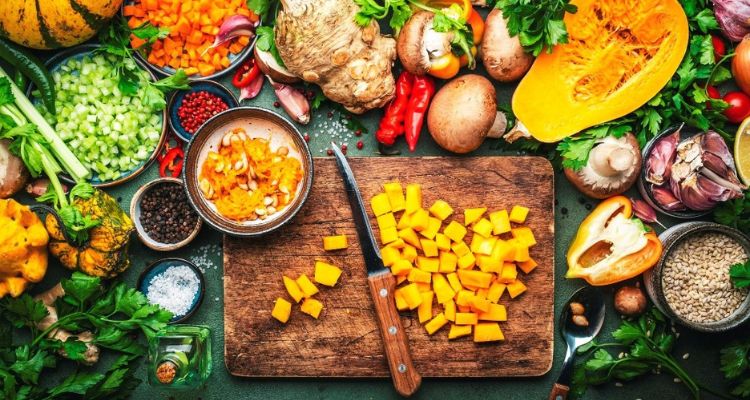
(392, 124)
(245, 74)
(172, 162)
(424, 88)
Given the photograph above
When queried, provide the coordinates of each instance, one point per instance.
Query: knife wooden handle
(406, 379)
(559, 392)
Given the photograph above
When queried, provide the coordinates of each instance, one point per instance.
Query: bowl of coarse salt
(175, 285)
(691, 283)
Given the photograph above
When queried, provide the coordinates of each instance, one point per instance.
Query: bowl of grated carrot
(247, 171)
(193, 26)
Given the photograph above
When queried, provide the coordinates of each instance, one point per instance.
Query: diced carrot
(191, 70)
(206, 69)
(159, 53)
(151, 4)
(223, 50)
(186, 6)
(184, 62)
(235, 48)
(216, 15)
(174, 63)
(206, 57)
(134, 23)
(136, 42)
(195, 37)
(225, 62)
(132, 10)
(243, 40)
(207, 29)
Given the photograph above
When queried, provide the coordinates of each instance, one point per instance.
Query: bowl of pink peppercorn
(190, 108)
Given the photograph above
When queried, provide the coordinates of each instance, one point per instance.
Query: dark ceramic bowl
(158, 267)
(653, 277)
(178, 96)
(257, 122)
(54, 63)
(135, 216)
(644, 187)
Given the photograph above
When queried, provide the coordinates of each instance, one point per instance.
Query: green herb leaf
(24, 311)
(6, 94)
(77, 383)
(81, 287)
(538, 24)
(740, 274)
(734, 360)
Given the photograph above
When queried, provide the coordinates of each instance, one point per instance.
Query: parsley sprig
(370, 10)
(538, 24)
(735, 364)
(740, 274)
(735, 213)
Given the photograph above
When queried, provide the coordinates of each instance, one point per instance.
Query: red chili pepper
(424, 88)
(392, 124)
(245, 74)
(168, 164)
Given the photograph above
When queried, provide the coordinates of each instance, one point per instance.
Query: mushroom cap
(502, 54)
(462, 113)
(410, 44)
(598, 186)
(275, 72)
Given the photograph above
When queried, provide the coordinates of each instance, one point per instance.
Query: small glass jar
(179, 357)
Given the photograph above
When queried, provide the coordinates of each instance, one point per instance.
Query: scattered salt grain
(174, 289)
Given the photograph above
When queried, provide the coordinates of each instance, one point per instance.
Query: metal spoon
(576, 335)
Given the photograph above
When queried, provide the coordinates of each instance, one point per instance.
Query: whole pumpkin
(105, 254)
(51, 24)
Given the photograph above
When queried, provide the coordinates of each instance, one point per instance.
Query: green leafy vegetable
(734, 365)
(740, 274)
(370, 10)
(113, 314)
(734, 213)
(266, 42)
(538, 24)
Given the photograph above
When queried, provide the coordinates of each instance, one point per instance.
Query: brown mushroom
(418, 43)
(502, 55)
(630, 301)
(612, 167)
(271, 68)
(463, 113)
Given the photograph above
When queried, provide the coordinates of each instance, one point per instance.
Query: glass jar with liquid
(179, 357)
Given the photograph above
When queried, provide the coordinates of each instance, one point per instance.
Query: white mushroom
(612, 167)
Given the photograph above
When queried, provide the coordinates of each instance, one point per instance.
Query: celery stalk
(69, 162)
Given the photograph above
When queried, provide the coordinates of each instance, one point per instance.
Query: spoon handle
(559, 392)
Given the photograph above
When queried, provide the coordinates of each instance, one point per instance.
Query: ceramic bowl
(644, 187)
(257, 122)
(653, 277)
(86, 49)
(178, 96)
(234, 59)
(135, 215)
(158, 267)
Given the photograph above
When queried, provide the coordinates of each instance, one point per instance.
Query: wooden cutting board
(345, 341)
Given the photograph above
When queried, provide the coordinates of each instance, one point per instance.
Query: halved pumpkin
(620, 54)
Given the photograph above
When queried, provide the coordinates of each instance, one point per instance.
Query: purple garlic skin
(666, 199)
(660, 160)
(292, 101)
(703, 173)
(643, 211)
(733, 17)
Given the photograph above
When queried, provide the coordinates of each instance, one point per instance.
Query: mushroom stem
(498, 127)
(610, 159)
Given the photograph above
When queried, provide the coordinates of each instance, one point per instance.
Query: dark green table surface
(570, 209)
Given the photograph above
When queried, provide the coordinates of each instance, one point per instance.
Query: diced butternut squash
(411, 295)
(518, 214)
(442, 288)
(388, 235)
(327, 274)
(495, 292)
(433, 227)
(413, 197)
(397, 244)
(500, 222)
(409, 253)
(380, 204)
(389, 255)
(424, 311)
(458, 331)
(337, 242)
(428, 264)
(483, 227)
(404, 222)
(480, 304)
(521, 253)
(475, 278)
(472, 215)
(466, 318)
(311, 307)
(454, 282)
(516, 288)
(509, 273)
(467, 261)
(527, 266)
(443, 242)
(395, 194)
(436, 323)
(293, 289)
(525, 235)
(429, 248)
(441, 210)
(495, 313)
(489, 264)
(503, 251)
(486, 245)
(401, 267)
(487, 332)
(308, 288)
(423, 287)
(400, 279)
(448, 262)
(449, 309)
(386, 220)
(410, 237)
(461, 249)
(464, 297)
(418, 275)
(282, 309)
(455, 231)
(420, 220)
(476, 240)
(401, 304)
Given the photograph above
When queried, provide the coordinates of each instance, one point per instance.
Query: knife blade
(406, 379)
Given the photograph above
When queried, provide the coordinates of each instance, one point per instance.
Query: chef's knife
(382, 284)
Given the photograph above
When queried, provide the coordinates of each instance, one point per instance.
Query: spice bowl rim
(198, 272)
(199, 142)
(685, 133)
(655, 288)
(135, 205)
(179, 131)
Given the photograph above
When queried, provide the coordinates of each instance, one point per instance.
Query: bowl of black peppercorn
(164, 219)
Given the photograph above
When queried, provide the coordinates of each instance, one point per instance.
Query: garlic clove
(666, 199)
(661, 158)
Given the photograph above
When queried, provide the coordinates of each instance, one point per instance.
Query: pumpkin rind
(621, 53)
(49, 24)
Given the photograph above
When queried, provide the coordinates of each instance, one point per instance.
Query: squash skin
(105, 254)
(551, 102)
(51, 24)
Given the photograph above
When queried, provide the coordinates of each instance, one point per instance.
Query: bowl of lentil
(189, 109)
(163, 217)
(248, 171)
(691, 282)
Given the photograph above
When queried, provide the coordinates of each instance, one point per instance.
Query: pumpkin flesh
(620, 54)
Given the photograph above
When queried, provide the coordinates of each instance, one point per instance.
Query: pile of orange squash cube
(447, 278)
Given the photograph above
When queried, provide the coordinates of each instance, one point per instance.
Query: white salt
(174, 289)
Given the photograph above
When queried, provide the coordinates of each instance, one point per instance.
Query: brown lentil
(695, 278)
(166, 216)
